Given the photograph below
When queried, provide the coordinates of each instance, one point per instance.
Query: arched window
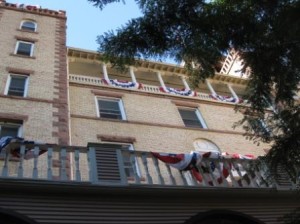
(203, 145)
(28, 25)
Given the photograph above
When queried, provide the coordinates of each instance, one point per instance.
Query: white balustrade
(48, 162)
(222, 172)
(68, 163)
(82, 79)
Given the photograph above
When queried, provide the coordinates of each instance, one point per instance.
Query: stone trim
(158, 125)
(113, 138)
(185, 104)
(22, 56)
(107, 93)
(28, 39)
(26, 98)
(19, 71)
(1, 11)
(13, 117)
(27, 31)
(60, 102)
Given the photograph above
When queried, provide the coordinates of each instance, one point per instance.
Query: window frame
(198, 115)
(120, 104)
(28, 21)
(264, 130)
(8, 83)
(26, 42)
(13, 124)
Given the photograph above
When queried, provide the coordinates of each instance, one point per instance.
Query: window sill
(111, 119)
(23, 56)
(27, 31)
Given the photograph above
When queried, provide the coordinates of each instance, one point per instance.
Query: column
(161, 81)
(104, 70)
(211, 89)
(232, 92)
(186, 85)
(131, 71)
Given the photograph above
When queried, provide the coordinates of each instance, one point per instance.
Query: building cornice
(33, 9)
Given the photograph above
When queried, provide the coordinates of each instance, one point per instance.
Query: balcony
(94, 81)
(104, 167)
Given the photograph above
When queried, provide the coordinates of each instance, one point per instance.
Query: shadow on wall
(222, 217)
(11, 217)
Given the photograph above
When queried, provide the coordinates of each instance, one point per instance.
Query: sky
(85, 22)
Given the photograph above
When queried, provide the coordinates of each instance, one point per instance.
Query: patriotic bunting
(122, 83)
(193, 162)
(15, 152)
(226, 98)
(183, 92)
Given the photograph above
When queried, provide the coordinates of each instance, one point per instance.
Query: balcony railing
(100, 166)
(81, 79)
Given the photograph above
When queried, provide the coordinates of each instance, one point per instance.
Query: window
(259, 126)
(110, 108)
(10, 129)
(24, 48)
(126, 148)
(17, 85)
(192, 118)
(28, 25)
(203, 145)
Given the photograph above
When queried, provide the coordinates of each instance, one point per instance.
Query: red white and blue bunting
(122, 83)
(229, 99)
(183, 92)
(192, 161)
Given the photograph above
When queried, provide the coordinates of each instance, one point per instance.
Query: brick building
(98, 127)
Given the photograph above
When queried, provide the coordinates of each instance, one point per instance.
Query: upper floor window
(259, 126)
(24, 48)
(10, 129)
(110, 108)
(192, 118)
(28, 25)
(17, 85)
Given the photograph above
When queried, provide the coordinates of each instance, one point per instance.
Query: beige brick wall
(163, 129)
(164, 139)
(154, 110)
(44, 49)
(41, 85)
(38, 126)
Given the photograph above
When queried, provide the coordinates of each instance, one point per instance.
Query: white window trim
(198, 114)
(202, 121)
(20, 127)
(9, 80)
(24, 21)
(120, 102)
(26, 42)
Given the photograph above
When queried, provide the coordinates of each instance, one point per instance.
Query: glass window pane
(17, 86)
(28, 26)
(7, 130)
(190, 118)
(109, 109)
(24, 48)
